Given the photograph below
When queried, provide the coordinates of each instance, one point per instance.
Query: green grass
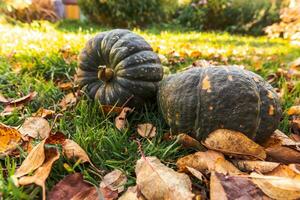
(31, 60)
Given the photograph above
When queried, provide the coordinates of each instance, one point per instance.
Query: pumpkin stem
(105, 74)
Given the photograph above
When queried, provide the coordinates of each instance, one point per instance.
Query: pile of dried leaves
(288, 27)
(227, 165)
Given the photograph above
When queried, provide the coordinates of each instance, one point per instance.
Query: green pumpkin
(118, 67)
(203, 99)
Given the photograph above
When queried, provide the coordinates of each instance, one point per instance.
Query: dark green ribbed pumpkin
(119, 66)
(203, 99)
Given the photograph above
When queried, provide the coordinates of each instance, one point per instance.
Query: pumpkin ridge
(106, 41)
(154, 59)
(198, 123)
(256, 91)
(122, 73)
(134, 37)
(133, 53)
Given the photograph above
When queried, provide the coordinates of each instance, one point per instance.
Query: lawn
(36, 57)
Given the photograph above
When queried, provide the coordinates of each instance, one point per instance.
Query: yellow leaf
(10, 138)
(277, 187)
(146, 130)
(234, 143)
(156, 181)
(41, 174)
(33, 161)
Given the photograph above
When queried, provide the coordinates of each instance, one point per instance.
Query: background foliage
(230, 15)
(129, 12)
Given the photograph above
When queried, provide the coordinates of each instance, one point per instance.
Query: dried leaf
(146, 130)
(56, 138)
(233, 187)
(72, 150)
(294, 110)
(41, 174)
(68, 101)
(196, 173)
(282, 139)
(65, 86)
(114, 181)
(35, 127)
(17, 104)
(283, 154)
(69, 187)
(10, 139)
(277, 187)
(120, 120)
(45, 113)
(107, 109)
(24, 99)
(168, 183)
(295, 137)
(295, 126)
(234, 143)
(109, 194)
(33, 161)
(132, 193)
(254, 165)
(200, 161)
(284, 171)
(209, 160)
(189, 142)
(92, 193)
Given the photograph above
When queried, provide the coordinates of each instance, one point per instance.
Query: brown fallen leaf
(35, 127)
(44, 113)
(72, 150)
(92, 193)
(206, 161)
(255, 165)
(234, 143)
(284, 171)
(17, 104)
(132, 193)
(277, 187)
(295, 126)
(56, 138)
(295, 137)
(233, 187)
(156, 181)
(66, 86)
(146, 130)
(294, 110)
(41, 174)
(34, 160)
(280, 138)
(69, 187)
(113, 182)
(107, 109)
(189, 142)
(121, 120)
(68, 101)
(196, 173)
(10, 139)
(283, 154)
(295, 168)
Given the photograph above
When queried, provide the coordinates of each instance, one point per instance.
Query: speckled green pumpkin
(203, 99)
(118, 67)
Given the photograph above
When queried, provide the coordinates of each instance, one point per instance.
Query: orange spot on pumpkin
(206, 84)
(271, 110)
(270, 95)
